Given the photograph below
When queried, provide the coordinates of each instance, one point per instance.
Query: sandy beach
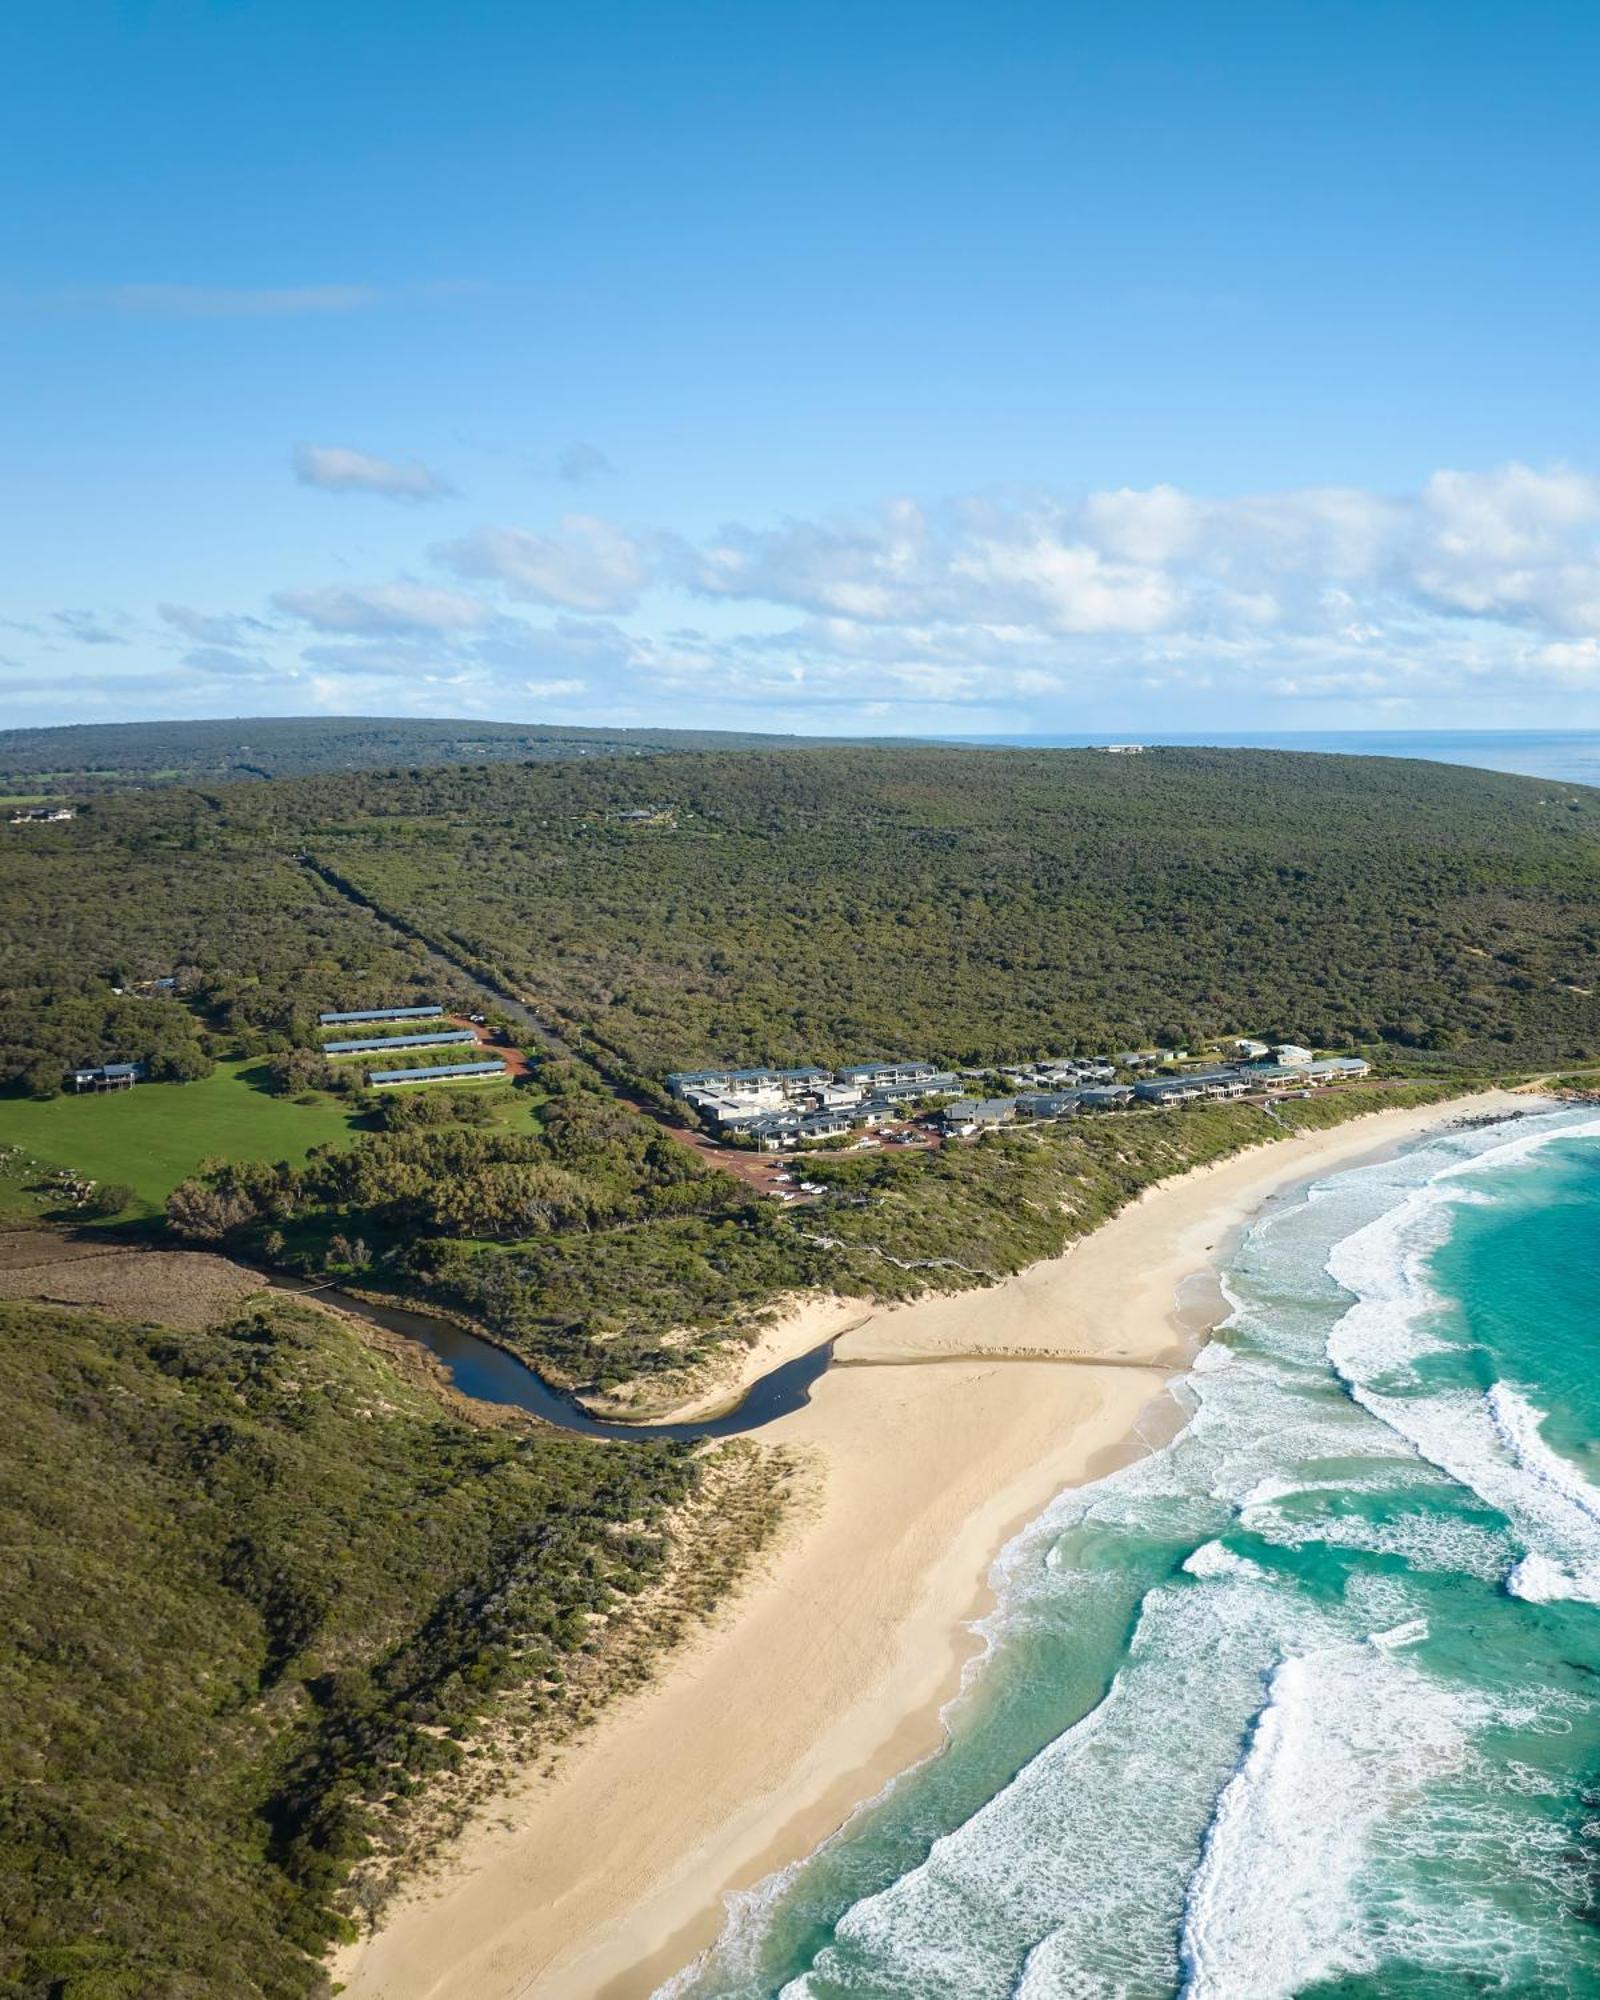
(942, 1428)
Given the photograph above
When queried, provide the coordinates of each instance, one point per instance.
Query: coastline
(828, 1675)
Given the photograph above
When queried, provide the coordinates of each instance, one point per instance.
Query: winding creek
(491, 1374)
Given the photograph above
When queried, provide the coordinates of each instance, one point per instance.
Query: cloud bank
(1151, 606)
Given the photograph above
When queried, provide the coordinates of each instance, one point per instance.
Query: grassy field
(156, 1134)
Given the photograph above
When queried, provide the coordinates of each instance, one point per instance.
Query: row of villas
(438, 1037)
(1248, 1079)
(779, 1108)
(966, 1116)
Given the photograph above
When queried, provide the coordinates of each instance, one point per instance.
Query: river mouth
(490, 1374)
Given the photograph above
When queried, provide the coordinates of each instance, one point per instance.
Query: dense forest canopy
(967, 905)
(112, 756)
(977, 905)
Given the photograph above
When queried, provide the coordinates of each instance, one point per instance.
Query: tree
(42, 1078)
(110, 1198)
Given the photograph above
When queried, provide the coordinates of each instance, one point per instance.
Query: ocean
(1306, 1703)
(1569, 756)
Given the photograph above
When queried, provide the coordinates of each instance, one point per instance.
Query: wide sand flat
(828, 1675)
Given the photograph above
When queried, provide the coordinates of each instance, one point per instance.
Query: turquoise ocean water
(1308, 1702)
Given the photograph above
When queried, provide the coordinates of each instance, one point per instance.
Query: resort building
(973, 1114)
(733, 1101)
(1218, 1083)
(773, 1085)
(878, 1076)
(1337, 1069)
(1047, 1104)
(32, 815)
(381, 1014)
(383, 1079)
(1291, 1055)
(1106, 1097)
(381, 1044)
(777, 1131)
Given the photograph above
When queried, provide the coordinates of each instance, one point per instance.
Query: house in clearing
(108, 1076)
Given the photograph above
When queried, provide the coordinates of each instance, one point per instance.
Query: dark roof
(381, 1014)
(437, 1069)
(439, 1040)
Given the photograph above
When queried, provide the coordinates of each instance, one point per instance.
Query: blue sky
(936, 368)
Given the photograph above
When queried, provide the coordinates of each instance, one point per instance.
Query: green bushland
(977, 906)
(442, 1163)
(970, 905)
(259, 1587)
(973, 906)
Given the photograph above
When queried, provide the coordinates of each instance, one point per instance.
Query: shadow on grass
(259, 1077)
(126, 1232)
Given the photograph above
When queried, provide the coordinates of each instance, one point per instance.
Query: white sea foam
(1214, 1559)
(1347, 1738)
(1075, 1880)
(1492, 1444)
(1423, 1538)
(1411, 1633)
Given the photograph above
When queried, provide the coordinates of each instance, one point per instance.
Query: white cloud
(1136, 607)
(590, 565)
(384, 608)
(1568, 663)
(1513, 543)
(338, 469)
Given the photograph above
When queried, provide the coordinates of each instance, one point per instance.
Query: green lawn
(156, 1134)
